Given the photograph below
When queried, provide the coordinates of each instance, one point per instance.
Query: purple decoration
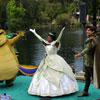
(28, 71)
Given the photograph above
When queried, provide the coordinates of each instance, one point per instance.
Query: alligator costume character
(8, 61)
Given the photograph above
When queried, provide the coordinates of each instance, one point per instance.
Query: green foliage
(15, 16)
(44, 18)
(23, 14)
(63, 19)
(77, 24)
(98, 4)
(53, 9)
(71, 8)
(32, 12)
(3, 17)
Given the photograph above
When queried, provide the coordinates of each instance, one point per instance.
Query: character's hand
(22, 33)
(32, 30)
(63, 28)
(78, 55)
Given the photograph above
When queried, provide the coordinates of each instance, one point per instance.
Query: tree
(71, 7)
(32, 11)
(15, 16)
(63, 19)
(53, 9)
(3, 17)
(45, 18)
(27, 13)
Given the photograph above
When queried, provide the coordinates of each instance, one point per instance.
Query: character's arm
(16, 38)
(59, 37)
(87, 18)
(87, 49)
(39, 37)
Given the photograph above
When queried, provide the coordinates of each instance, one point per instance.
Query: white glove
(60, 35)
(32, 30)
(38, 36)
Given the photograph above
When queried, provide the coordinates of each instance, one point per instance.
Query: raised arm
(60, 35)
(16, 38)
(38, 36)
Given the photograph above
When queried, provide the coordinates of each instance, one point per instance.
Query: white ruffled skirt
(51, 79)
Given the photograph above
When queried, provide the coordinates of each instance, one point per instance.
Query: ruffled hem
(46, 88)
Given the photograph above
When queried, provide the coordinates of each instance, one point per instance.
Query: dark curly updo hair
(52, 35)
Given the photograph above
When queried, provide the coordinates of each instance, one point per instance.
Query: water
(32, 51)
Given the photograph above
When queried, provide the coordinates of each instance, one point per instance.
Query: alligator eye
(1, 33)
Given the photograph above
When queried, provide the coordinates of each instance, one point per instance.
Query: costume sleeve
(38, 36)
(89, 45)
(15, 39)
(60, 35)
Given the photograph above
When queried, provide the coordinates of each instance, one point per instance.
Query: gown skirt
(54, 77)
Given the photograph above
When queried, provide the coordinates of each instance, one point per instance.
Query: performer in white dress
(54, 76)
